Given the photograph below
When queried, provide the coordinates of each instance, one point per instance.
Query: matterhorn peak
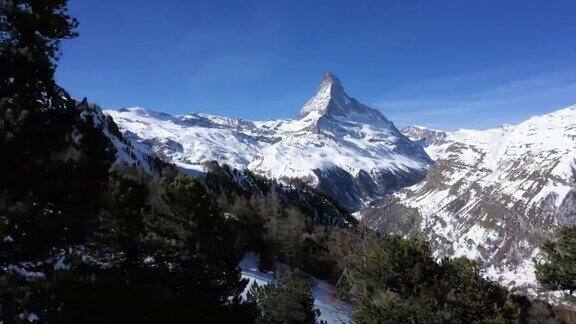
(330, 84)
(330, 101)
(329, 88)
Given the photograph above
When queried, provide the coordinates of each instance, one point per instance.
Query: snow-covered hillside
(126, 154)
(494, 195)
(347, 149)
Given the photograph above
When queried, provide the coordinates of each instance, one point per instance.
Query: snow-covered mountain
(494, 195)
(126, 153)
(345, 148)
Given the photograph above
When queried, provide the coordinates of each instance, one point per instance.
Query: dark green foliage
(121, 222)
(51, 188)
(387, 307)
(558, 272)
(127, 249)
(280, 234)
(391, 263)
(53, 161)
(30, 35)
(397, 280)
(198, 234)
(313, 204)
(161, 251)
(289, 225)
(287, 300)
(467, 296)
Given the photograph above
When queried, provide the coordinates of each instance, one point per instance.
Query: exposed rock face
(425, 137)
(350, 151)
(493, 195)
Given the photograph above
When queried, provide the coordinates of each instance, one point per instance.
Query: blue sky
(443, 64)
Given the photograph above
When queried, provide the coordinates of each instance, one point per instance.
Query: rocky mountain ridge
(348, 150)
(494, 195)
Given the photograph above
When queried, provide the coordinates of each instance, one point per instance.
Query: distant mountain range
(494, 195)
(348, 150)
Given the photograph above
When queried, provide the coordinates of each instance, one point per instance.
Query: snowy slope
(338, 144)
(494, 195)
(126, 154)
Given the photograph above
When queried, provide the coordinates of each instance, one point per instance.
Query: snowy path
(332, 310)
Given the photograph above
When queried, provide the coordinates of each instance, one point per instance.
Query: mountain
(347, 149)
(494, 195)
(429, 139)
(126, 155)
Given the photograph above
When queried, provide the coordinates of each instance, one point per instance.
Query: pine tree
(30, 35)
(288, 300)
(396, 280)
(196, 236)
(388, 307)
(53, 161)
(558, 271)
(169, 257)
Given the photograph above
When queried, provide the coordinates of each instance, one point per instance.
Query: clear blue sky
(439, 63)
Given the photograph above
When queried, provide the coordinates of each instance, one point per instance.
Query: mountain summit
(347, 149)
(330, 101)
(330, 88)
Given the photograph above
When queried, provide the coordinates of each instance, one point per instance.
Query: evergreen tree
(558, 271)
(141, 257)
(126, 208)
(198, 233)
(388, 307)
(168, 257)
(30, 35)
(465, 296)
(396, 280)
(288, 300)
(53, 160)
(389, 263)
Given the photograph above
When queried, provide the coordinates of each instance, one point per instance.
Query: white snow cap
(334, 132)
(331, 101)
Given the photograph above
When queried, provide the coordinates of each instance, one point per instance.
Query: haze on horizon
(447, 65)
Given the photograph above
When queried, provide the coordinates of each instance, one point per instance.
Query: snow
(332, 310)
(543, 145)
(62, 263)
(149, 260)
(30, 317)
(333, 131)
(191, 169)
(249, 266)
(518, 276)
(22, 270)
(125, 154)
(525, 168)
(466, 245)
